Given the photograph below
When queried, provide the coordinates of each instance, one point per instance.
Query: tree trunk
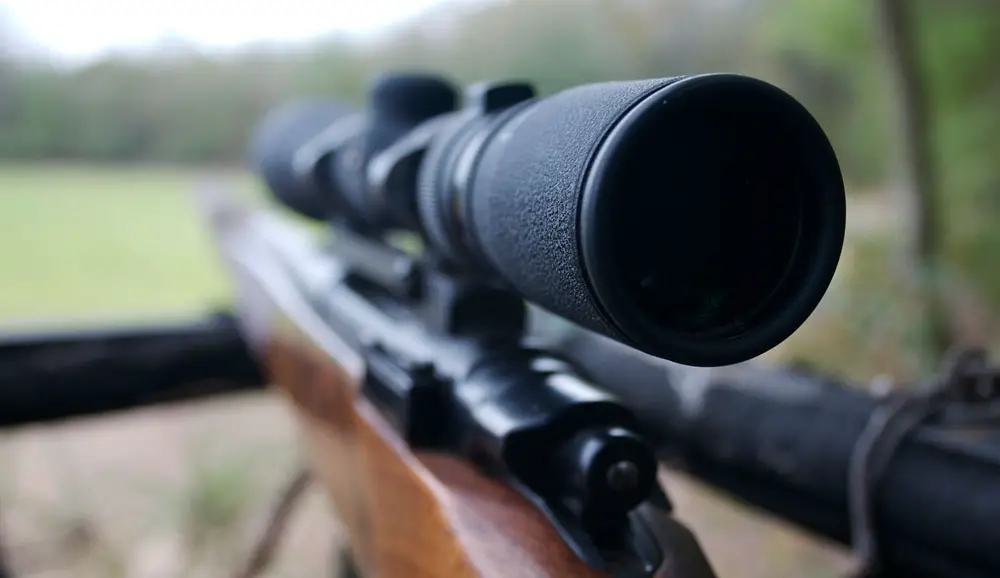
(916, 188)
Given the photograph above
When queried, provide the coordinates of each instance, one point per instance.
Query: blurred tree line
(176, 104)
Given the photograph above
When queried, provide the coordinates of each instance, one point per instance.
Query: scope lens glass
(708, 211)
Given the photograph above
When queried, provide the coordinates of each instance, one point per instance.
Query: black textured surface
(527, 190)
(432, 184)
(410, 97)
(398, 103)
(274, 144)
(444, 187)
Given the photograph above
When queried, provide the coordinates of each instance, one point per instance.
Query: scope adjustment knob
(490, 97)
(410, 98)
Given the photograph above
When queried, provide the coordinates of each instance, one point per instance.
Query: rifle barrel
(52, 375)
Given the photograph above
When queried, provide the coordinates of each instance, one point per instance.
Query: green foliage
(866, 325)
(960, 46)
(958, 43)
(826, 53)
(193, 108)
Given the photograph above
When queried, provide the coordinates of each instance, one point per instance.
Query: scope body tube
(699, 219)
(781, 441)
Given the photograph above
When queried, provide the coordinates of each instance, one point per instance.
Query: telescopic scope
(699, 219)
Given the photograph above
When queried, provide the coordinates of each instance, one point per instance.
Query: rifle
(450, 444)
(456, 436)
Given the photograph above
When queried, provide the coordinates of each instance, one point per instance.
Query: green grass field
(82, 240)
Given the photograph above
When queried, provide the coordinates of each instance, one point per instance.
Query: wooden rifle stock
(407, 513)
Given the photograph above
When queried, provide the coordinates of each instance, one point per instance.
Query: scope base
(377, 264)
(465, 307)
(447, 304)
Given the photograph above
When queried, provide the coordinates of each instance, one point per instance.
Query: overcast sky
(81, 29)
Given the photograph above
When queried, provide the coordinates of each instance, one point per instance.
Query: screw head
(623, 476)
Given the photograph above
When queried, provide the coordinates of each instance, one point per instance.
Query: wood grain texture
(408, 514)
